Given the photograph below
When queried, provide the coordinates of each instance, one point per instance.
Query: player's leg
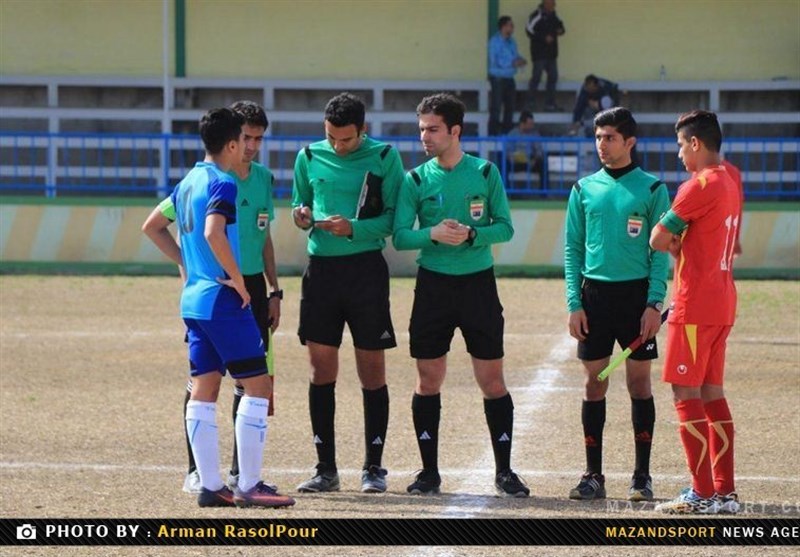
(594, 352)
(632, 301)
(593, 420)
(191, 483)
(322, 411)
(371, 368)
(720, 425)
(201, 424)
(426, 409)
(320, 330)
(685, 368)
(241, 348)
(643, 417)
(369, 319)
(482, 326)
(431, 329)
(259, 304)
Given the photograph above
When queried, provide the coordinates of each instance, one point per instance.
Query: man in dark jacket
(595, 95)
(544, 28)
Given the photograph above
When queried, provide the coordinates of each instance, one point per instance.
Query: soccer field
(92, 376)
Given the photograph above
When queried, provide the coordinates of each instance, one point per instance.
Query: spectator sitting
(525, 155)
(596, 94)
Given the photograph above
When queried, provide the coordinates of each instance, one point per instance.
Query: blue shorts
(232, 344)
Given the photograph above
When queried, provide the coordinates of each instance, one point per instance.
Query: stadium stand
(67, 134)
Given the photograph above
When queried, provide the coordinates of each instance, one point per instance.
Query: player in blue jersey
(222, 331)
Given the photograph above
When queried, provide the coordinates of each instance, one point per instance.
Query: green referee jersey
(331, 185)
(609, 218)
(471, 193)
(254, 211)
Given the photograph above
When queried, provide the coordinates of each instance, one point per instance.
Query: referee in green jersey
(345, 191)
(462, 209)
(615, 286)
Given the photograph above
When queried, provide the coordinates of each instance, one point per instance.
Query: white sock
(201, 424)
(251, 435)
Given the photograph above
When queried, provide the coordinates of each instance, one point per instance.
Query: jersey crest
(476, 208)
(635, 226)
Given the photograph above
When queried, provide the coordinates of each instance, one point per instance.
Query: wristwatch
(658, 306)
(276, 294)
(471, 235)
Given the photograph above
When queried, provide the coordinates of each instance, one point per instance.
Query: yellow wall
(82, 37)
(341, 39)
(400, 39)
(706, 40)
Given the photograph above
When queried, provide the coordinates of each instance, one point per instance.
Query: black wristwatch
(472, 235)
(276, 294)
(658, 306)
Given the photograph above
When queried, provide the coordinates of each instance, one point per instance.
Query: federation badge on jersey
(635, 225)
(476, 208)
(263, 220)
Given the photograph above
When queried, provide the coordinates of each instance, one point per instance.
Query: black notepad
(370, 200)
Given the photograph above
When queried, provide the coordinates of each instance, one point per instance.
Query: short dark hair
(219, 126)
(345, 109)
(703, 125)
(591, 78)
(446, 105)
(620, 118)
(253, 113)
(525, 115)
(502, 20)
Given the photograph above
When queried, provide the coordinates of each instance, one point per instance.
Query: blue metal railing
(70, 164)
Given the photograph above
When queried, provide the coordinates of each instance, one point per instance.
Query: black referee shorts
(444, 302)
(614, 311)
(352, 289)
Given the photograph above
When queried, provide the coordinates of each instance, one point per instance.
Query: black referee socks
(500, 419)
(593, 416)
(643, 416)
(376, 420)
(322, 408)
(427, 411)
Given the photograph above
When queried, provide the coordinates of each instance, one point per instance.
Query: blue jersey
(204, 191)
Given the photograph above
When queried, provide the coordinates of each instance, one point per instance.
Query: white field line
(354, 473)
(527, 401)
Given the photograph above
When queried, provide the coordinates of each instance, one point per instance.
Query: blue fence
(64, 164)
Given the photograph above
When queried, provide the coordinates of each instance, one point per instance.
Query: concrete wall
(32, 233)
(702, 40)
(399, 39)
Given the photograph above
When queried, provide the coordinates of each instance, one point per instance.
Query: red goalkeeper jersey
(706, 212)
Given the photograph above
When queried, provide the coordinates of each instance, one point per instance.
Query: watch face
(657, 305)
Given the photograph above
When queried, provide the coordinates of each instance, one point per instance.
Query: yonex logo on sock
(424, 436)
(377, 441)
(504, 437)
(317, 440)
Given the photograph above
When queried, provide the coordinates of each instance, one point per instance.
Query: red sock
(693, 430)
(720, 435)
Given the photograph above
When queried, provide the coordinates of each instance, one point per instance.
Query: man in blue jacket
(504, 59)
